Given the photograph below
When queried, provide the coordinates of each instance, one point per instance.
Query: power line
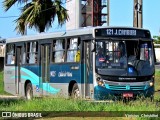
(18, 16)
(8, 16)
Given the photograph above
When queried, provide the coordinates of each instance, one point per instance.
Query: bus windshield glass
(124, 57)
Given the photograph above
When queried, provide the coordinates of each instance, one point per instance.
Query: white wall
(157, 51)
(74, 11)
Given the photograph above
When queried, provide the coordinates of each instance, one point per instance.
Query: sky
(121, 14)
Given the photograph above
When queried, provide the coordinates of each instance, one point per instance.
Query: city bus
(83, 63)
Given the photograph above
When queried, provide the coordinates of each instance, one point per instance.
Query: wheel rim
(76, 93)
(29, 92)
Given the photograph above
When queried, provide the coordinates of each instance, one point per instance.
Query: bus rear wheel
(29, 91)
(75, 92)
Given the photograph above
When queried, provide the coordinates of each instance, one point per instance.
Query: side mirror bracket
(93, 46)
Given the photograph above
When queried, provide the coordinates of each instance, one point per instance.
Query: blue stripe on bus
(50, 89)
(64, 73)
(35, 81)
(33, 76)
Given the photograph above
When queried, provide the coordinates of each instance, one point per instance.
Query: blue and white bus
(83, 63)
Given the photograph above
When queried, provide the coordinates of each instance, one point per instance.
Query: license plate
(126, 95)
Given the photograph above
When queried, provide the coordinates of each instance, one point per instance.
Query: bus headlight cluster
(151, 84)
(100, 82)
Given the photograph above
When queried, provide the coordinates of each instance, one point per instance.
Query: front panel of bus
(124, 63)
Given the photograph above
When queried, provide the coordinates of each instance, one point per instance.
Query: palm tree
(38, 13)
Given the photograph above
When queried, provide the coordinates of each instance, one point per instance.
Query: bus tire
(29, 91)
(152, 98)
(75, 92)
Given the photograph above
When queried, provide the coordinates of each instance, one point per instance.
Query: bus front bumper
(102, 93)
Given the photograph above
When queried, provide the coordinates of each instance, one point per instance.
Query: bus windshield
(124, 57)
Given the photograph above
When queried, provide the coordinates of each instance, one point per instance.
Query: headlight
(151, 84)
(100, 81)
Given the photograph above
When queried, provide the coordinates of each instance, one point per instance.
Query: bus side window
(10, 54)
(13, 59)
(53, 51)
(24, 54)
(73, 50)
(58, 51)
(32, 51)
(144, 52)
(28, 49)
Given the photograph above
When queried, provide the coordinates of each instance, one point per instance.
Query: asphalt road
(158, 66)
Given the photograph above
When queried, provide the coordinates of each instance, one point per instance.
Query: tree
(2, 40)
(156, 39)
(38, 13)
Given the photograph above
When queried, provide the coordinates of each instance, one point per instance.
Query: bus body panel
(9, 79)
(54, 78)
(64, 73)
(102, 93)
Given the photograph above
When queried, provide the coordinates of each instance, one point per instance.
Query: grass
(61, 104)
(1, 83)
(157, 80)
(157, 86)
(66, 108)
(2, 92)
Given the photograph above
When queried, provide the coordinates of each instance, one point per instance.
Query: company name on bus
(64, 74)
(61, 74)
(120, 32)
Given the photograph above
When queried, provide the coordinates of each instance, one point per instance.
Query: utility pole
(138, 13)
(108, 12)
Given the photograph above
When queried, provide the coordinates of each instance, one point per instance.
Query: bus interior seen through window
(136, 54)
(66, 52)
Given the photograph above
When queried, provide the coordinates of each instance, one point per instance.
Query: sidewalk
(8, 97)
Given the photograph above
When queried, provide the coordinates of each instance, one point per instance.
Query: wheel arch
(70, 86)
(25, 85)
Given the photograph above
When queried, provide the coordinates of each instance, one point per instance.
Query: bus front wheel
(75, 91)
(29, 91)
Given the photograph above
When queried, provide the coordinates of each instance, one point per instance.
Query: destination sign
(122, 32)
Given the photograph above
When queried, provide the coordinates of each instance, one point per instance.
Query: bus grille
(126, 87)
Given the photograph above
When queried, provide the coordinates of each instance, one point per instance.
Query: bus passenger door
(45, 69)
(87, 69)
(18, 58)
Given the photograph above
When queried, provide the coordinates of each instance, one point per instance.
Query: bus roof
(41, 36)
(69, 33)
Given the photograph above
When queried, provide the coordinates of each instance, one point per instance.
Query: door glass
(45, 60)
